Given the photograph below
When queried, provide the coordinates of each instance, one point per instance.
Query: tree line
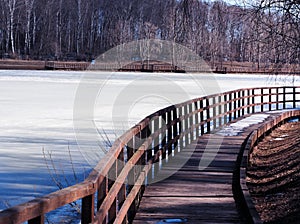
(263, 33)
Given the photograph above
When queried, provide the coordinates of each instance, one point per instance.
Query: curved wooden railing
(113, 190)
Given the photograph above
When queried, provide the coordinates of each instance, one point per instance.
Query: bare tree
(283, 28)
(28, 8)
(264, 33)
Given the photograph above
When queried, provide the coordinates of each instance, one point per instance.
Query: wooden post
(248, 101)
(156, 140)
(37, 220)
(214, 113)
(197, 118)
(144, 135)
(87, 209)
(148, 154)
(141, 162)
(112, 212)
(156, 145)
(202, 117)
(239, 104)
(163, 136)
(262, 100)
(243, 102)
(234, 105)
(175, 127)
(277, 98)
(101, 193)
(220, 110)
(181, 128)
(207, 115)
(225, 109)
(144, 158)
(186, 126)
(122, 193)
(130, 151)
(191, 121)
(294, 97)
(112, 176)
(253, 101)
(270, 99)
(169, 132)
(284, 98)
(230, 107)
(131, 178)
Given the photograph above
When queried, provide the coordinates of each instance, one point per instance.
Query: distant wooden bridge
(63, 65)
(117, 189)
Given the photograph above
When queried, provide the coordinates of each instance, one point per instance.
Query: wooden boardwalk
(198, 196)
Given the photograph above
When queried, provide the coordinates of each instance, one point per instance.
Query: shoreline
(228, 67)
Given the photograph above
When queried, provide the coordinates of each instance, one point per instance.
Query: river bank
(149, 66)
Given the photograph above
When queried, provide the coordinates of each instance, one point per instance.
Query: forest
(266, 31)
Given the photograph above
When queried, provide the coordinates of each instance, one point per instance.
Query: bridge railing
(113, 190)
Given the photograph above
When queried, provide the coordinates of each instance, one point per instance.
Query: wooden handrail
(114, 188)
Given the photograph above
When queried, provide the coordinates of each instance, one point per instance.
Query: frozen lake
(39, 146)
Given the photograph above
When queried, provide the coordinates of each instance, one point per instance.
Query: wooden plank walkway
(199, 196)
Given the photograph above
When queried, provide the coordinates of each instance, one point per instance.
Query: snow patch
(236, 128)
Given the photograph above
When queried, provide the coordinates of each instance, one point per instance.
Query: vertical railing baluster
(248, 101)
(207, 115)
(142, 161)
(270, 99)
(169, 131)
(180, 127)
(112, 175)
(144, 136)
(156, 140)
(230, 107)
(122, 193)
(186, 126)
(149, 149)
(234, 105)
(262, 100)
(225, 109)
(243, 102)
(197, 118)
(88, 209)
(253, 100)
(131, 179)
(163, 135)
(277, 98)
(156, 144)
(37, 220)
(239, 104)
(102, 191)
(214, 112)
(202, 117)
(220, 110)
(284, 97)
(191, 121)
(294, 97)
(175, 128)
(138, 140)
